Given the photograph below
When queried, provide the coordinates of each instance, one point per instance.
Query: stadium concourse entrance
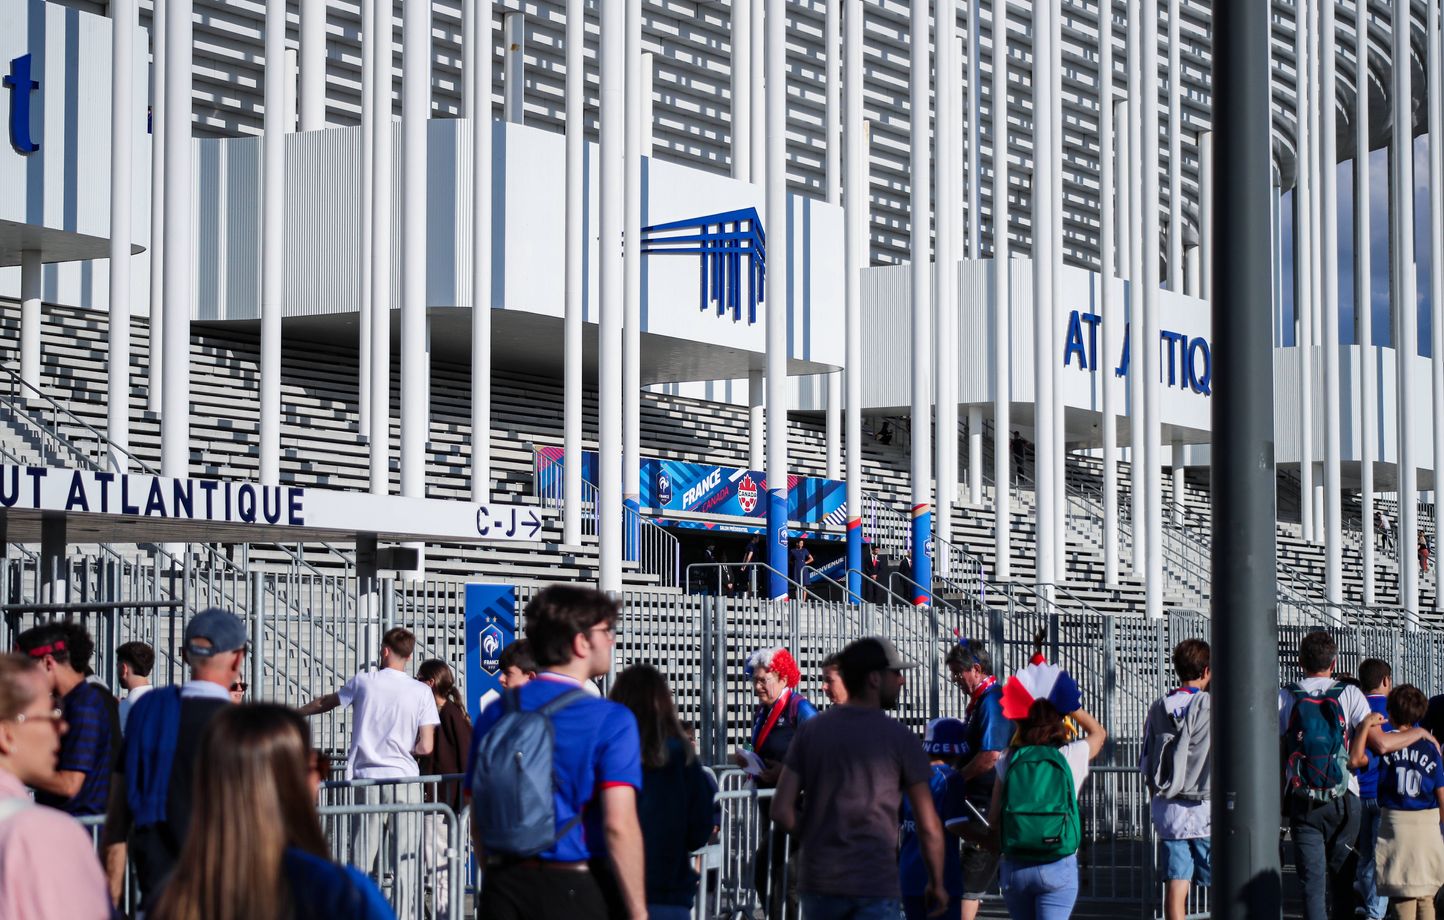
(707, 552)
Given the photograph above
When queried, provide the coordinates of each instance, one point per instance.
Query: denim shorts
(1187, 860)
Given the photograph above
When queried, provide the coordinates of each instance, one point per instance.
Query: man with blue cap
(150, 794)
(945, 742)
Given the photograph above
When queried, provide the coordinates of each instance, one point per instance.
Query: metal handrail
(825, 577)
(933, 599)
(1009, 586)
(907, 602)
(719, 566)
(17, 381)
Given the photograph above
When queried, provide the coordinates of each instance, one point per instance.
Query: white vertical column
(30, 319)
(479, 37)
(756, 419)
(291, 99)
(1175, 154)
(855, 258)
(1436, 262)
(1045, 416)
(779, 274)
(382, 200)
(632, 282)
(415, 362)
(742, 91)
(832, 60)
(1148, 365)
(1178, 480)
(313, 65)
(919, 232)
(945, 312)
(975, 455)
(1108, 301)
(154, 388)
(1328, 266)
(1205, 216)
(1303, 265)
(273, 237)
(1316, 253)
(1364, 307)
(1406, 321)
(175, 418)
(576, 245)
(612, 172)
(1002, 337)
(1060, 444)
(974, 42)
(368, 214)
(122, 125)
(513, 87)
(1138, 85)
(758, 84)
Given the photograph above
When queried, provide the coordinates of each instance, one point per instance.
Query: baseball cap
(945, 736)
(221, 629)
(874, 653)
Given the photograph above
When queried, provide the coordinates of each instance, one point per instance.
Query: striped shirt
(88, 747)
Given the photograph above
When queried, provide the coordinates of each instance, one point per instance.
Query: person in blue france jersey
(943, 742)
(1410, 851)
(1376, 680)
(986, 735)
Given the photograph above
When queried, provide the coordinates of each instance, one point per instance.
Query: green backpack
(1040, 808)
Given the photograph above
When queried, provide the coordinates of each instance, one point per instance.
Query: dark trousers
(775, 868)
(1324, 836)
(527, 893)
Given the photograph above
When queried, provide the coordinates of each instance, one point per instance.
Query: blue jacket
(675, 809)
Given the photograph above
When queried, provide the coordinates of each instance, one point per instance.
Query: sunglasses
(239, 686)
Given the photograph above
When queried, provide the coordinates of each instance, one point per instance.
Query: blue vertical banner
(777, 543)
(854, 560)
(922, 555)
(490, 627)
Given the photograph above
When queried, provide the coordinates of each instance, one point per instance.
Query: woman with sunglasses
(255, 850)
(48, 867)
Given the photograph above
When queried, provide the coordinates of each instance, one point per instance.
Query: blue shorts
(1187, 860)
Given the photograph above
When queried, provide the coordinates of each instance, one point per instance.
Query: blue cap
(222, 631)
(945, 736)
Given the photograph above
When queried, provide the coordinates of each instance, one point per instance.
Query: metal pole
(273, 238)
(481, 250)
(1303, 267)
(741, 92)
(175, 419)
(778, 278)
(415, 361)
(1328, 267)
(1045, 410)
(832, 57)
(1436, 260)
(1002, 307)
(1103, 373)
(369, 59)
(576, 244)
(381, 201)
(313, 65)
(258, 627)
(632, 291)
(1205, 216)
(513, 83)
(1364, 307)
(122, 132)
(920, 219)
(758, 86)
(1406, 339)
(1175, 153)
(855, 228)
(30, 319)
(945, 312)
(1057, 460)
(1245, 615)
(609, 344)
(1148, 363)
(156, 346)
(1138, 479)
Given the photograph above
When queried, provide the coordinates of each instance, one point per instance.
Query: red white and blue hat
(1040, 681)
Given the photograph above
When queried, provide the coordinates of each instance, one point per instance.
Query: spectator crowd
(589, 807)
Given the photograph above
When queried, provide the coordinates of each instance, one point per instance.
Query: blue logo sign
(664, 489)
(21, 86)
(723, 241)
(491, 641)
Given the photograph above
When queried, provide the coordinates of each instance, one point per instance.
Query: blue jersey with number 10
(1408, 778)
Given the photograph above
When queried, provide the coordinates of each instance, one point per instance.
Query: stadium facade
(718, 200)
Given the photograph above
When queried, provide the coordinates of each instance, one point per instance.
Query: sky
(1379, 249)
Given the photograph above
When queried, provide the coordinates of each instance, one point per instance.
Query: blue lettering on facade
(21, 85)
(1189, 360)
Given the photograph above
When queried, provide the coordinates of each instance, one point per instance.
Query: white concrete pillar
(273, 238)
(1333, 516)
(1363, 311)
(1002, 340)
(313, 65)
(1205, 215)
(742, 90)
(612, 172)
(30, 321)
(1303, 264)
(513, 37)
(1176, 275)
(1148, 364)
(382, 144)
(156, 332)
(1108, 302)
(576, 245)
(1436, 261)
(1406, 336)
(832, 434)
(975, 455)
(756, 419)
(855, 258)
(368, 214)
(1192, 271)
(1137, 202)
(1046, 411)
(649, 73)
(175, 417)
(415, 361)
(632, 292)
(292, 99)
(122, 126)
(945, 310)
(973, 115)
(1178, 481)
(779, 274)
(479, 37)
(758, 85)
(832, 169)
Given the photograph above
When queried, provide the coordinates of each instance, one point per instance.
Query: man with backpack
(555, 773)
(1321, 794)
(1176, 760)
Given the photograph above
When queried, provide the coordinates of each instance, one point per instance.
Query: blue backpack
(1316, 756)
(512, 781)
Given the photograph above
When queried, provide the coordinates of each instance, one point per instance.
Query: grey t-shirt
(854, 765)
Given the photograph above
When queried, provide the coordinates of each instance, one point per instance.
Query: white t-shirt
(130, 700)
(1355, 706)
(1075, 753)
(390, 708)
